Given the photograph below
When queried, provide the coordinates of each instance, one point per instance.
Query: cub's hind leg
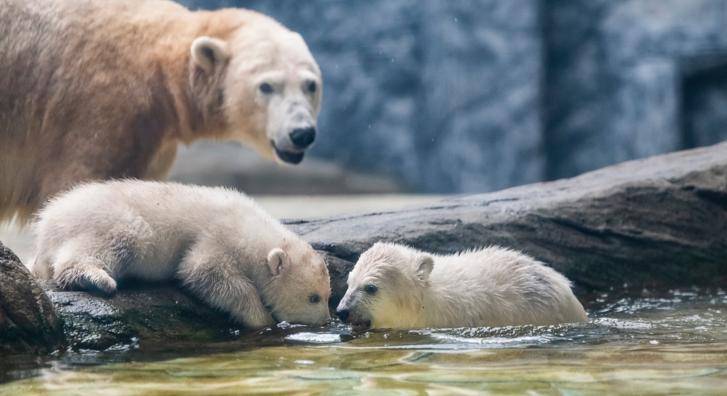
(94, 260)
(75, 268)
(85, 273)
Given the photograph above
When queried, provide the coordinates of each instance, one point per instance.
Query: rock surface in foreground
(28, 321)
(154, 315)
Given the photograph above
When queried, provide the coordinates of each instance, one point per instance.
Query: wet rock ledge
(659, 222)
(28, 322)
(655, 223)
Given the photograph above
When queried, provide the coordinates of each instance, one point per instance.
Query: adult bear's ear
(425, 264)
(209, 53)
(277, 259)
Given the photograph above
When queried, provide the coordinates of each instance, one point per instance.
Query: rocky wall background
(632, 78)
(477, 95)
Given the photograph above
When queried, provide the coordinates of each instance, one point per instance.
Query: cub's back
(156, 202)
(526, 287)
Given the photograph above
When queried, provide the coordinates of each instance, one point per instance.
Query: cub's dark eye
(266, 88)
(371, 289)
(314, 299)
(311, 86)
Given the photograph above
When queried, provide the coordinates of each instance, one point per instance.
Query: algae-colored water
(674, 343)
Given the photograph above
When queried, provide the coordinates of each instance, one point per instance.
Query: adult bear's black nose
(342, 314)
(303, 137)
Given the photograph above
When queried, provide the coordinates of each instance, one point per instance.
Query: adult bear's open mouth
(290, 157)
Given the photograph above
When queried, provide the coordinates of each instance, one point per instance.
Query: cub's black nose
(303, 137)
(342, 314)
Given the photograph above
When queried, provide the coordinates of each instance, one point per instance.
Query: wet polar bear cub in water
(217, 242)
(394, 286)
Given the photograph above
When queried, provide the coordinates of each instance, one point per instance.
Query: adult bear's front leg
(217, 280)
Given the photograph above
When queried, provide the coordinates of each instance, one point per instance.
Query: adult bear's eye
(266, 88)
(311, 86)
(371, 289)
(314, 298)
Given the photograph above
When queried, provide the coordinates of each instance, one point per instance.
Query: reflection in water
(644, 345)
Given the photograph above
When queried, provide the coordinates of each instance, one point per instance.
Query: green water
(670, 344)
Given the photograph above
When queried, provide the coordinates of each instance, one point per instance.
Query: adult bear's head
(262, 84)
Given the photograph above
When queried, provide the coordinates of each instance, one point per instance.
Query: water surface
(646, 344)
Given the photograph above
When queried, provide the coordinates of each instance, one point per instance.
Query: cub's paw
(86, 278)
(256, 320)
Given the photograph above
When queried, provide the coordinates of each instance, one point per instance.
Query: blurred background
(432, 96)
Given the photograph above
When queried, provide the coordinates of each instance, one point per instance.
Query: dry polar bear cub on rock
(217, 242)
(106, 89)
(394, 286)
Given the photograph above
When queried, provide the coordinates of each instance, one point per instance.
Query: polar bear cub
(394, 286)
(222, 247)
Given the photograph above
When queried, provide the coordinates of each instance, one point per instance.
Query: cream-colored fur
(487, 287)
(102, 89)
(217, 242)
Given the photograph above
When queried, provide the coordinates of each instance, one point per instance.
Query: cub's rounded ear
(425, 264)
(209, 53)
(277, 259)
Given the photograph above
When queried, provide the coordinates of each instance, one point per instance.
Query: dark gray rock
(656, 223)
(28, 322)
(151, 316)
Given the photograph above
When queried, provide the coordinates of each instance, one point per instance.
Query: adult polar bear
(100, 89)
